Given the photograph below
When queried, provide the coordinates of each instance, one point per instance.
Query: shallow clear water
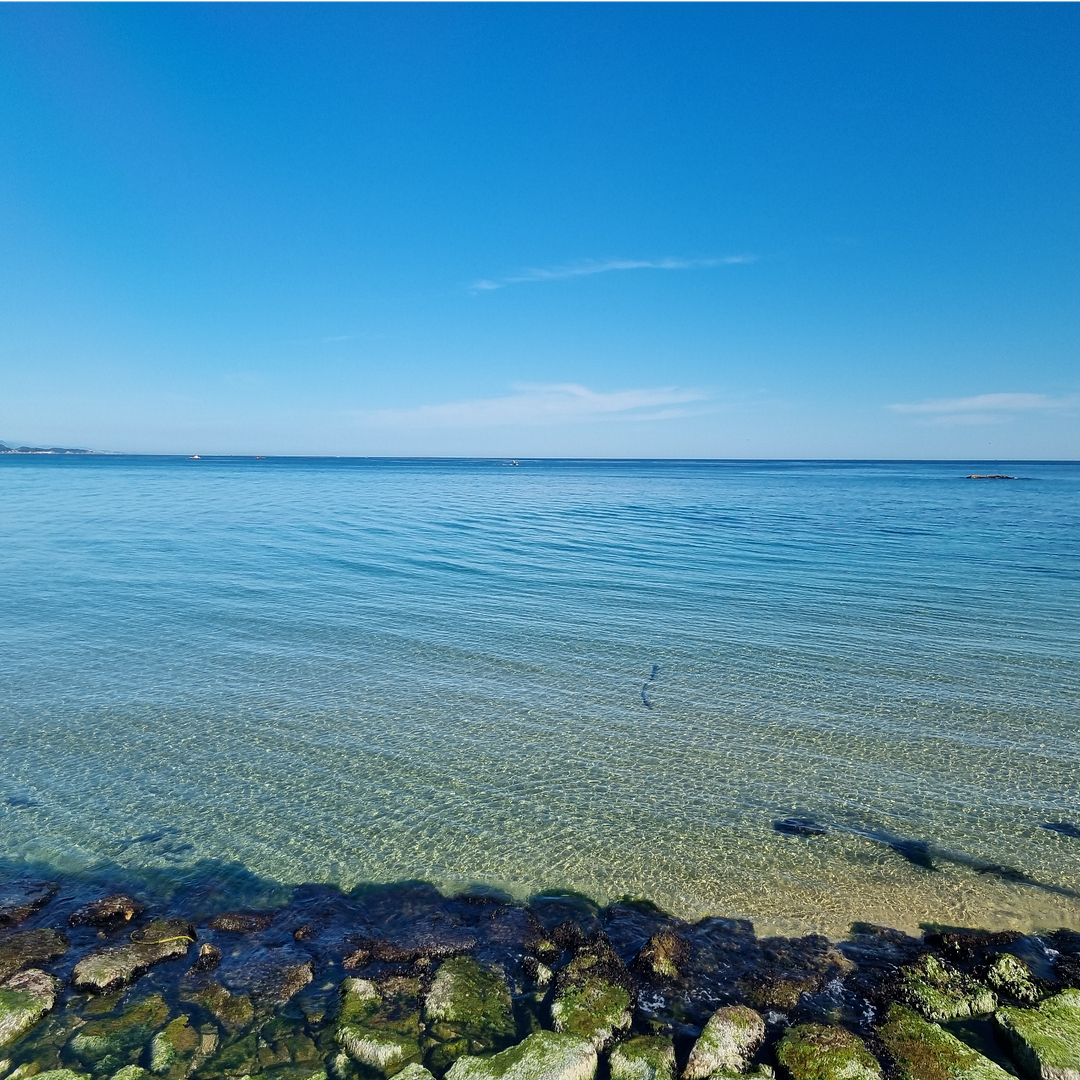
(606, 677)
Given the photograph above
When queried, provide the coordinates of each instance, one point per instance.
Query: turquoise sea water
(606, 677)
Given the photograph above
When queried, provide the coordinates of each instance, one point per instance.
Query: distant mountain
(5, 449)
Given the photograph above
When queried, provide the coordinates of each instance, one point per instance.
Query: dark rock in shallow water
(241, 922)
(232, 1011)
(795, 826)
(114, 1041)
(109, 911)
(109, 969)
(662, 957)
(1066, 828)
(1067, 970)
(963, 945)
(30, 948)
(209, 957)
(20, 899)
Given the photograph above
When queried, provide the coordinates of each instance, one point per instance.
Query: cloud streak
(604, 266)
(543, 405)
(982, 408)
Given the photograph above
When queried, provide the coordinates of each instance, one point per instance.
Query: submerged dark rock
(27, 948)
(241, 922)
(797, 826)
(663, 957)
(1066, 828)
(209, 957)
(109, 911)
(20, 899)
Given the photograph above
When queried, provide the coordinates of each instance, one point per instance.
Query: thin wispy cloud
(604, 266)
(541, 405)
(983, 408)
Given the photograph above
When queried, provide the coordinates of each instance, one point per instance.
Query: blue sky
(615, 230)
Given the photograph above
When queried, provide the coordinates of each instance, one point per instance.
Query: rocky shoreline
(399, 980)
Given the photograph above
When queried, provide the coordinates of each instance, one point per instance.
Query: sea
(806, 694)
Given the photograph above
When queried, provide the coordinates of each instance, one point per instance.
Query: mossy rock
(825, 1052)
(24, 999)
(469, 1007)
(131, 1072)
(646, 1057)
(379, 1026)
(726, 1044)
(236, 1057)
(925, 1051)
(594, 997)
(662, 957)
(174, 1050)
(233, 1011)
(939, 992)
(106, 1044)
(59, 1074)
(1010, 975)
(30, 948)
(1045, 1041)
(109, 969)
(544, 1055)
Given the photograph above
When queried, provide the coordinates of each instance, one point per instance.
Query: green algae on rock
(594, 996)
(175, 1050)
(662, 957)
(940, 992)
(59, 1074)
(821, 1052)
(726, 1043)
(469, 1004)
(30, 948)
(163, 939)
(645, 1057)
(24, 999)
(379, 1026)
(1010, 975)
(544, 1055)
(130, 1072)
(110, 1042)
(925, 1051)
(232, 1011)
(1046, 1040)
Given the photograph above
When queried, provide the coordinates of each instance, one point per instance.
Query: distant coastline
(6, 449)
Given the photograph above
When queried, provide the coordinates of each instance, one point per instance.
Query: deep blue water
(604, 676)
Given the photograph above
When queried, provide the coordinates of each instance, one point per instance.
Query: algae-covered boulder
(646, 1057)
(662, 957)
(109, 969)
(415, 1071)
(30, 948)
(925, 1051)
(824, 1052)
(59, 1074)
(24, 999)
(1010, 975)
(468, 1009)
(1045, 1041)
(108, 911)
(594, 996)
(726, 1044)
(940, 992)
(379, 1026)
(176, 1050)
(232, 1011)
(131, 1072)
(111, 1042)
(544, 1055)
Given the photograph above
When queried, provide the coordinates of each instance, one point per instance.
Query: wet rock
(594, 996)
(427, 944)
(379, 1026)
(1067, 970)
(1045, 1041)
(646, 1057)
(109, 969)
(111, 1042)
(726, 1044)
(56, 1074)
(173, 1050)
(544, 1055)
(30, 948)
(1010, 975)
(791, 968)
(536, 970)
(209, 957)
(924, 1051)
(414, 1072)
(20, 899)
(821, 1052)
(242, 922)
(130, 1072)
(24, 999)
(109, 911)
(468, 1009)
(971, 944)
(662, 957)
(940, 992)
(232, 1011)
(278, 983)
